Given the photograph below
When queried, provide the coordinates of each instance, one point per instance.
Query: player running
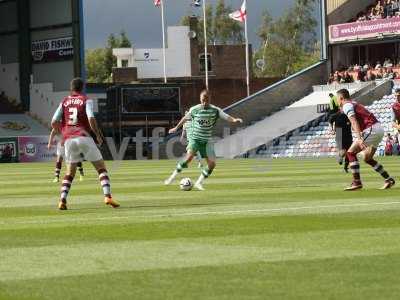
(204, 116)
(368, 134)
(76, 118)
(60, 156)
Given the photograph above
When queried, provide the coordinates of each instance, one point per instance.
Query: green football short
(206, 149)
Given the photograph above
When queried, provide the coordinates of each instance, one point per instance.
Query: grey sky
(142, 22)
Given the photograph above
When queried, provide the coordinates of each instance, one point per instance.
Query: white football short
(60, 150)
(84, 145)
(373, 135)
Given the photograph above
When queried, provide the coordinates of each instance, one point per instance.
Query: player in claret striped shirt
(204, 118)
(76, 119)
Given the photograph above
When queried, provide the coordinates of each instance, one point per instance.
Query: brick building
(185, 59)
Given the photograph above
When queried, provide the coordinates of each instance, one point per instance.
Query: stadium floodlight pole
(163, 37)
(247, 53)
(205, 42)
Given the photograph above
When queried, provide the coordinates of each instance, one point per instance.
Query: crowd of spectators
(382, 9)
(367, 72)
(392, 145)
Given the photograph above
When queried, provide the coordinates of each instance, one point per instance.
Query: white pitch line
(205, 213)
(278, 209)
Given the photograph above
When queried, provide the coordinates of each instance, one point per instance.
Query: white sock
(201, 179)
(174, 174)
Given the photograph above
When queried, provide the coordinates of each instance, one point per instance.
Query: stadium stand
(9, 107)
(288, 120)
(315, 139)
(13, 125)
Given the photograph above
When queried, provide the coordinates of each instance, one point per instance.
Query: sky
(142, 22)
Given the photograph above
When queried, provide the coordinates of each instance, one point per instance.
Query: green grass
(263, 229)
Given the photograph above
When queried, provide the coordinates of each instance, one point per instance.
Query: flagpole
(163, 36)
(247, 55)
(205, 42)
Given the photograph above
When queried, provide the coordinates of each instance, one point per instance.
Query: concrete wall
(58, 73)
(348, 10)
(277, 96)
(44, 101)
(380, 90)
(9, 80)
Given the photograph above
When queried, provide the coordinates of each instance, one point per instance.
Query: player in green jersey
(204, 118)
(186, 127)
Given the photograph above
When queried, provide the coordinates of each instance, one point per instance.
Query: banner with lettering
(363, 30)
(52, 50)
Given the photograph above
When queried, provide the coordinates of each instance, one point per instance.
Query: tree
(124, 42)
(220, 28)
(100, 61)
(185, 21)
(96, 70)
(226, 30)
(288, 43)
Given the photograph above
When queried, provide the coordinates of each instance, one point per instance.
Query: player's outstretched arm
(179, 125)
(223, 115)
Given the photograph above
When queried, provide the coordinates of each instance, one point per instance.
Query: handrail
(276, 84)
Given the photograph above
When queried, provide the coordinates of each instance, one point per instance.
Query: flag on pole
(196, 3)
(241, 14)
(157, 3)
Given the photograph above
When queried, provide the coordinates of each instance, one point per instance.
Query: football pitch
(263, 229)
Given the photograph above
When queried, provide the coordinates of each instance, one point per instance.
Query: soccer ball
(186, 184)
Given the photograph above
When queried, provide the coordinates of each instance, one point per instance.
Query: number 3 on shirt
(73, 116)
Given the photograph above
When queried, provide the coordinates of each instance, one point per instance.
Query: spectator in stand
(395, 8)
(379, 10)
(388, 145)
(395, 150)
(330, 78)
(378, 65)
(370, 76)
(336, 77)
(379, 74)
(360, 76)
(347, 78)
(387, 8)
(387, 63)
